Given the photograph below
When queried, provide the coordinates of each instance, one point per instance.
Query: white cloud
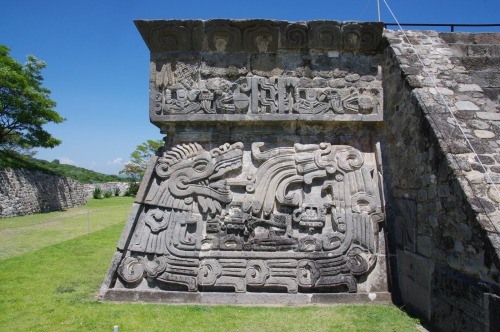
(66, 161)
(118, 161)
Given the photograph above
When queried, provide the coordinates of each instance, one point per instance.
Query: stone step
(486, 79)
(481, 63)
(493, 94)
(470, 38)
(478, 50)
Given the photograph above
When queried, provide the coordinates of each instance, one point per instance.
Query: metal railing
(450, 25)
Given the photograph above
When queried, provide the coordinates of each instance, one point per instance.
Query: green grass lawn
(28, 233)
(53, 287)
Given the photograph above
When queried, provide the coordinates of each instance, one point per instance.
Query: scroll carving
(297, 219)
(295, 35)
(325, 35)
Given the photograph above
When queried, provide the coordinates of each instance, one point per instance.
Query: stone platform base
(151, 296)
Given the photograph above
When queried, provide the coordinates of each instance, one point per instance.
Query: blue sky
(98, 65)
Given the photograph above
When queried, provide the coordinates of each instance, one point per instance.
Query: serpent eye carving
(200, 166)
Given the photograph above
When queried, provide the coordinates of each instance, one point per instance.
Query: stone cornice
(258, 36)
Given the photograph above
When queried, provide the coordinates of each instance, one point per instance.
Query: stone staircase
(439, 276)
(480, 55)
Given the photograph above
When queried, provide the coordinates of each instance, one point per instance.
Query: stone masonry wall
(24, 192)
(444, 216)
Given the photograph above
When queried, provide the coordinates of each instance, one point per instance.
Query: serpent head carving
(189, 173)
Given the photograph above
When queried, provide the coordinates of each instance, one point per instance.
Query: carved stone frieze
(295, 218)
(261, 95)
(262, 70)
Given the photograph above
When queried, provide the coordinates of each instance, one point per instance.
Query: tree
(25, 105)
(139, 159)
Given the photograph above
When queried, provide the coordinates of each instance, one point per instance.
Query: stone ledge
(262, 118)
(215, 298)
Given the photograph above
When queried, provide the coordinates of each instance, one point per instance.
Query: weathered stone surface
(415, 276)
(488, 116)
(466, 106)
(494, 194)
(484, 134)
(488, 78)
(263, 36)
(450, 215)
(442, 91)
(494, 309)
(477, 124)
(459, 303)
(469, 88)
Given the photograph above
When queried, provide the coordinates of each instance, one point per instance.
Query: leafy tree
(25, 106)
(139, 159)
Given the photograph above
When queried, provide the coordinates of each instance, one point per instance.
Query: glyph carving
(298, 218)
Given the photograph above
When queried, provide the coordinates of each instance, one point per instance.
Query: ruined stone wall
(24, 192)
(107, 186)
(443, 215)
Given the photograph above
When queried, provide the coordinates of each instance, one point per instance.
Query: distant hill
(9, 159)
